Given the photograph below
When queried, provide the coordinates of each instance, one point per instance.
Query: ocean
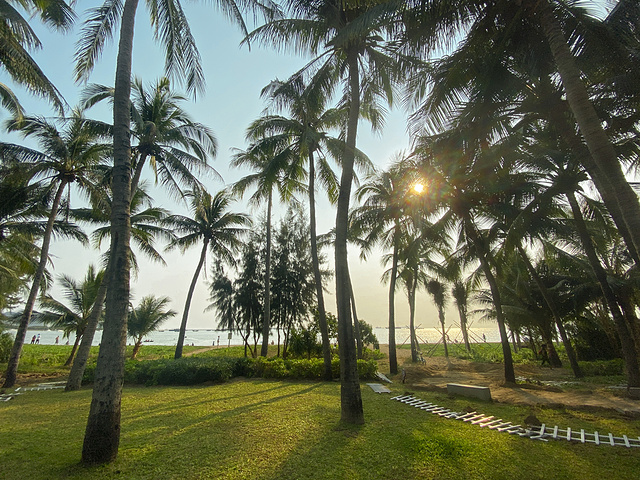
(205, 337)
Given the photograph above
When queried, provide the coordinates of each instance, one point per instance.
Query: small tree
(147, 318)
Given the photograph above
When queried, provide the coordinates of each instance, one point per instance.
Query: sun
(418, 188)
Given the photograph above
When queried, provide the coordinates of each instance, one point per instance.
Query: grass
(262, 429)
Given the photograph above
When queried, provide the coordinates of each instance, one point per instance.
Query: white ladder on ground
(542, 432)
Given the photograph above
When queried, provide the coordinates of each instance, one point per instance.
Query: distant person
(38, 340)
(218, 341)
(57, 340)
(33, 340)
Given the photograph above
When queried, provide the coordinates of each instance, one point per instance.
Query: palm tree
(305, 132)
(219, 231)
(146, 318)
(525, 23)
(145, 229)
(17, 38)
(383, 218)
(460, 295)
(73, 317)
(437, 289)
(272, 170)
(165, 135)
(102, 434)
(67, 157)
(342, 36)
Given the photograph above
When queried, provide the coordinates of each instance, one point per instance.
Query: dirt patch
(535, 386)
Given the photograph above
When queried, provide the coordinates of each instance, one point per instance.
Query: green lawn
(260, 429)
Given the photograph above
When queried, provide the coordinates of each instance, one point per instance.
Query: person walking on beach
(57, 340)
(38, 340)
(33, 340)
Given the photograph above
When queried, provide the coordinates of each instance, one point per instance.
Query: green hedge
(194, 370)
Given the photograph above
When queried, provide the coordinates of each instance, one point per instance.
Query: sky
(235, 75)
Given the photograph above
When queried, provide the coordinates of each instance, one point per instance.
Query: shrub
(6, 342)
(194, 370)
(602, 367)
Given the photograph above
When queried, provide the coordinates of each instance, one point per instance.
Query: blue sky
(235, 75)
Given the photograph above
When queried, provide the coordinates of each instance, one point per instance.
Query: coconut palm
(73, 317)
(146, 318)
(171, 27)
(219, 231)
(17, 38)
(438, 291)
(68, 156)
(342, 37)
(529, 24)
(384, 218)
(308, 143)
(165, 136)
(272, 170)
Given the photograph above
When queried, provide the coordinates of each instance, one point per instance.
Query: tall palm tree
(384, 218)
(72, 317)
(342, 37)
(272, 170)
(146, 318)
(68, 156)
(304, 129)
(219, 231)
(17, 38)
(102, 434)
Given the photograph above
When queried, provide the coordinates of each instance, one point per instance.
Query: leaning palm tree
(68, 156)
(17, 38)
(73, 316)
(146, 228)
(146, 318)
(219, 231)
(102, 435)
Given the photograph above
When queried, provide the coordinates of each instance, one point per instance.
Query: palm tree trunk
(571, 354)
(73, 350)
(356, 322)
(350, 395)
(412, 287)
(509, 372)
(626, 340)
(16, 350)
(599, 145)
(317, 275)
(136, 348)
(266, 324)
(187, 304)
(393, 358)
(135, 180)
(444, 333)
(80, 363)
(102, 435)
(463, 327)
